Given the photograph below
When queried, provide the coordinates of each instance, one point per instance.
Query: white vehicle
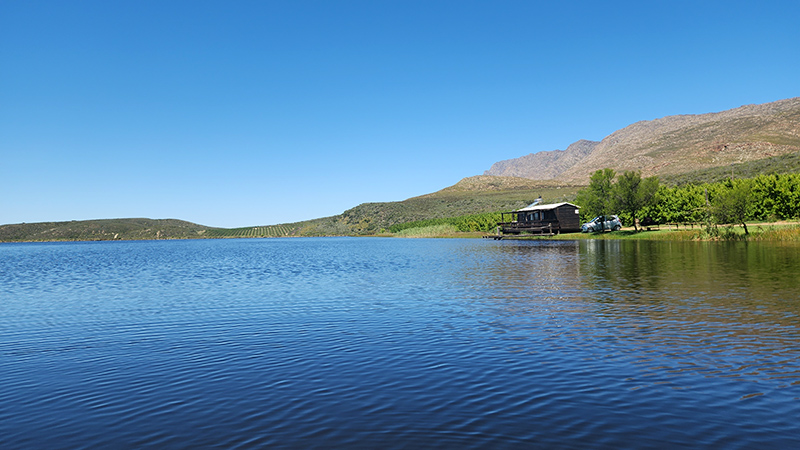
(602, 223)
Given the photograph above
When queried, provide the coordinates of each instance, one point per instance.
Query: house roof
(535, 207)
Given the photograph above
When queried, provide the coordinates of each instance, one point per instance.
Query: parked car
(602, 223)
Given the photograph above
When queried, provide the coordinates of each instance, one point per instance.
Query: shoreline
(784, 231)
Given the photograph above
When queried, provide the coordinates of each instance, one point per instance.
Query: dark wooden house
(541, 219)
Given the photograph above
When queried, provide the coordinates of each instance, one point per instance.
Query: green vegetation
(629, 195)
(763, 198)
(595, 199)
(731, 205)
(472, 222)
(732, 201)
(632, 193)
(776, 165)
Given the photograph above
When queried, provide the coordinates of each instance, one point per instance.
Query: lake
(399, 343)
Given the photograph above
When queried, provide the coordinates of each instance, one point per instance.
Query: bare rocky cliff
(545, 165)
(672, 145)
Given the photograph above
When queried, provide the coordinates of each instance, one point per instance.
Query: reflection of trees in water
(625, 263)
(705, 310)
(714, 309)
(723, 274)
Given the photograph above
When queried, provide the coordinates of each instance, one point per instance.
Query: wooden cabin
(554, 218)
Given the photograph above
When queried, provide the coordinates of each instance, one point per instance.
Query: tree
(733, 205)
(595, 199)
(631, 193)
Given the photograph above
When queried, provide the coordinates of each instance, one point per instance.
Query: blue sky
(262, 112)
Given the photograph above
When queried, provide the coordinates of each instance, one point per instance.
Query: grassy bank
(787, 232)
(436, 231)
(781, 232)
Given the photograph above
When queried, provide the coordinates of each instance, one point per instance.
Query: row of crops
(251, 232)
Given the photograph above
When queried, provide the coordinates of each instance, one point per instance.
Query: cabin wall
(568, 218)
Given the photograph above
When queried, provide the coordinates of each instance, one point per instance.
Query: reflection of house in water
(553, 218)
(532, 271)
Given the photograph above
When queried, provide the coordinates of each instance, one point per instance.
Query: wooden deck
(518, 228)
(516, 237)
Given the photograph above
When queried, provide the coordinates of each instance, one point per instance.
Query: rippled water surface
(390, 343)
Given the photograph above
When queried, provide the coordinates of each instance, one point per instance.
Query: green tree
(776, 196)
(733, 205)
(595, 199)
(631, 194)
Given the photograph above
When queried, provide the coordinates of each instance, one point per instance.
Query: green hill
(474, 195)
(102, 230)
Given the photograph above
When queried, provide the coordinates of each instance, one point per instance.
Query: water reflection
(540, 268)
(517, 286)
(749, 278)
(677, 315)
(399, 343)
(688, 311)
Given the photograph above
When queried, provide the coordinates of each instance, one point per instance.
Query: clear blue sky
(239, 113)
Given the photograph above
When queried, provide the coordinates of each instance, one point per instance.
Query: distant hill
(672, 145)
(102, 230)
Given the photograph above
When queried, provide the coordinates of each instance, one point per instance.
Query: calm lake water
(399, 343)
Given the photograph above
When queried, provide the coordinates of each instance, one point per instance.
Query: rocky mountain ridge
(546, 165)
(671, 145)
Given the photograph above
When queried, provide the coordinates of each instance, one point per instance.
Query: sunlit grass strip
(776, 233)
(470, 222)
(429, 231)
(786, 233)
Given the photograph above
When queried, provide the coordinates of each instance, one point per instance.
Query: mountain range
(671, 145)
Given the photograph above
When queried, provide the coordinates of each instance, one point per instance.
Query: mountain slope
(545, 165)
(471, 195)
(673, 145)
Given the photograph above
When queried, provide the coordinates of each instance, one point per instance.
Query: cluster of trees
(626, 196)
(764, 197)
